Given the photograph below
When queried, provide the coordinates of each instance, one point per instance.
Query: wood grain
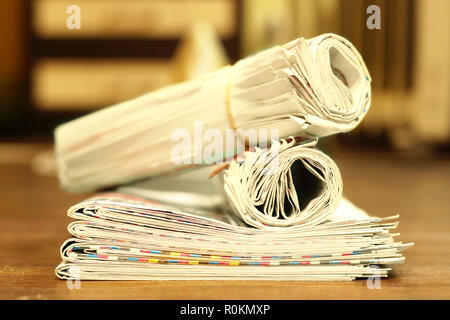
(33, 226)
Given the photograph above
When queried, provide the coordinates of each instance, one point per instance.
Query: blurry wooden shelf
(114, 30)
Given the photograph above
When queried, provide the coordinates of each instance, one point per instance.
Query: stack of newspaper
(120, 237)
(273, 209)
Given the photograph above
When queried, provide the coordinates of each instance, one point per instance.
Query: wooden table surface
(33, 226)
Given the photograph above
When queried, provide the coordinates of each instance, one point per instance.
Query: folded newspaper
(307, 87)
(304, 230)
(122, 237)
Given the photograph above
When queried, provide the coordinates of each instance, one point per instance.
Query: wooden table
(33, 226)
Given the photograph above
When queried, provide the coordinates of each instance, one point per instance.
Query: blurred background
(50, 73)
(396, 161)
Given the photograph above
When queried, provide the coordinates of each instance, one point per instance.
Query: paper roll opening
(343, 69)
(306, 184)
(307, 187)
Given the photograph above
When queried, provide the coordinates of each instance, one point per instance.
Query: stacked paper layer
(121, 237)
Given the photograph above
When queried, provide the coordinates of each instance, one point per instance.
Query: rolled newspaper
(309, 88)
(289, 184)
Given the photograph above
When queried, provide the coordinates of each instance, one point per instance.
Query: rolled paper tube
(310, 88)
(286, 185)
